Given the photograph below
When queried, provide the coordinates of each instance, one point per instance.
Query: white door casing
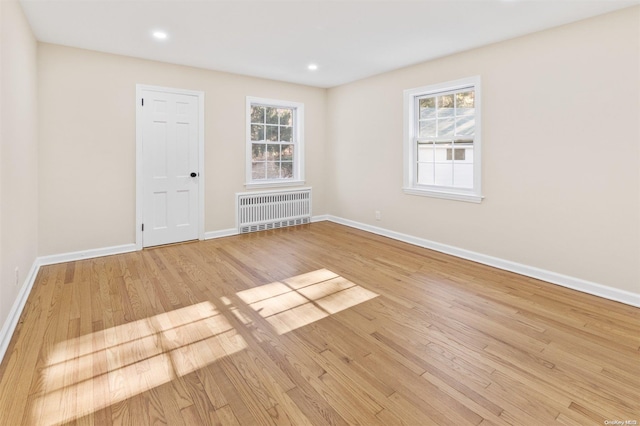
(170, 179)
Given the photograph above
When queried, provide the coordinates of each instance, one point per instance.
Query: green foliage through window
(272, 142)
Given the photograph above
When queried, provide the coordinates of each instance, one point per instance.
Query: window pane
(258, 151)
(426, 152)
(456, 154)
(468, 154)
(287, 170)
(285, 116)
(463, 175)
(446, 126)
(272, 115)
(465, 103)
(441, 151)
(272, 133)
(425, 174)
(466, 125)
(273, 170)
(287, 152)
(444, 174)
(273, 152)
(257, 132)
(285, 134)
(428, 108)
(257, 114)
(258, 171)
(445, 106)
(427, 128)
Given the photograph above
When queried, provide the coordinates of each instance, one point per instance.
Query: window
(442, 140)
(275, 149)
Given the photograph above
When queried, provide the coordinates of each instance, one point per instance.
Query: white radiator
(258, 211)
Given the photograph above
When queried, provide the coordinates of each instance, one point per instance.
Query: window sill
(457, 196)
(274, 184)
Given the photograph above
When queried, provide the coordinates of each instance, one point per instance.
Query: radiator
(258, 211)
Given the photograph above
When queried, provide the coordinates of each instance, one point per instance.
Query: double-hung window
(275, 146)
(442, 140)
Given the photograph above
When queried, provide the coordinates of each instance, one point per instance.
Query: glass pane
(427, 129)
(273, 170)
(444, 174)
(272, 115)
(466, 125)
(286, 152)
(445, 106)
(258, 151)
(465, 103)
(440, 153)
(285, 134)
(258, 171)
(425, 174)
(273, 152)
(426, 152)
(285, 116)
(257, 132)
(272, 133)
(257, 114)
(463, 175)
(287, 170)
(456, 154)
(446, 126)
(428, 108)
(468, 154)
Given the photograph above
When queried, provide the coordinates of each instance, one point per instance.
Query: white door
(170, 175)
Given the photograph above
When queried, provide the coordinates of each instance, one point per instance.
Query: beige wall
(560, 152)
(18, 153)
(87, 142)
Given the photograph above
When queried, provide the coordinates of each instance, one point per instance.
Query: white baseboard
(11, 322)
(319, 218)
(584, 286)
(221, 233)
(86, 254)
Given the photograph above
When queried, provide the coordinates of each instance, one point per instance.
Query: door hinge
(143, 226)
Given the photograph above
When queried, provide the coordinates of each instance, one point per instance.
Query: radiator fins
(261, 211)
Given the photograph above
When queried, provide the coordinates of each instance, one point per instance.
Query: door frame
(139, 159)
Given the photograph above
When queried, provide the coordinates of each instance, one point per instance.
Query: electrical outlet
(378, 215)
(17, 276)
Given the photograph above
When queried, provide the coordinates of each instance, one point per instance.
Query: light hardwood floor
(313, 325)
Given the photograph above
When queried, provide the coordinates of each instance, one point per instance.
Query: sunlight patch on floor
(85, 374)
(91, 372)
(301, 300)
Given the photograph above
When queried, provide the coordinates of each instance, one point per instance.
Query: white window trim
(410, 186)
(298, 152)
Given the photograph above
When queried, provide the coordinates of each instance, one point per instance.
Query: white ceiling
(348, 40)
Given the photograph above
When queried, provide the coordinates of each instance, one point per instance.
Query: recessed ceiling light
(160, 35)
(312, 67)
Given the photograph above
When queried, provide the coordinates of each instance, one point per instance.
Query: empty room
(306, 212)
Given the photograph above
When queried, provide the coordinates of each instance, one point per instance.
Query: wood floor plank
(318, 324)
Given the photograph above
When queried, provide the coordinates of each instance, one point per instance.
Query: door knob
(194, 174)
